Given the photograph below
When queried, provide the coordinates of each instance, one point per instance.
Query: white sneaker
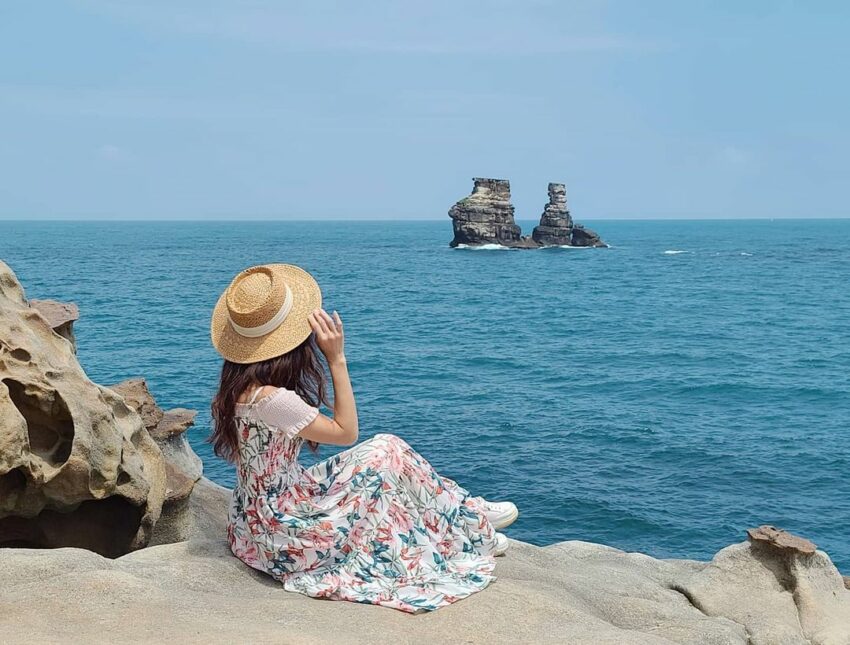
(502, 544)
(501, 514)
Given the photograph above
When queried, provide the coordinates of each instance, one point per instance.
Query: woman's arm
(342, 429)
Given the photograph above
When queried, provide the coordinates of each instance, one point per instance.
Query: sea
(661, 395)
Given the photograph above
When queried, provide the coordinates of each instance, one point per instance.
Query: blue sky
(366, 109)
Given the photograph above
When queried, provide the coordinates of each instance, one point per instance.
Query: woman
(374, 523)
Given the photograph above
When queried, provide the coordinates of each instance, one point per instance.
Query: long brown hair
(299, 370)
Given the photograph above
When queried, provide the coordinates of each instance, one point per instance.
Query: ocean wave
(483, 247)
(674, 252)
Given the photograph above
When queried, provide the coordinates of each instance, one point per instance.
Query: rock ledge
(196, 591)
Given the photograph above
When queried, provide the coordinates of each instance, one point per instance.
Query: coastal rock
(77, 466)
(783, 540)
(175, 522)
(61, 317)
(170, 435)
(136, 394)
(572, 592)
(487, 217)
(556, 225)
(582, 236)
(183, 466)
(779, 586)
(166, 427)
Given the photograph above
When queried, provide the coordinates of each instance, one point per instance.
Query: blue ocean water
(662, 395)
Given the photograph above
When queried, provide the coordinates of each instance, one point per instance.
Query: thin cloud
(379, 27)
(113, 154)
(736, 157)
(120, 103)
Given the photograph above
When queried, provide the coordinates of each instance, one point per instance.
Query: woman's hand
(342, 429)
(329, 335)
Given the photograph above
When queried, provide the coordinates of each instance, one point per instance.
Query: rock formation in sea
(487, 217)
(107, 470)
(78, 466)
(556, 226)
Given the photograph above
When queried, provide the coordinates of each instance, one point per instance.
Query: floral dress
(373, 524)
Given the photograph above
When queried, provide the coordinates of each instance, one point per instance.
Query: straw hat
(263, 313)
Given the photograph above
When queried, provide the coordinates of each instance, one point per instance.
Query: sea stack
(487, 217)
(556, 225)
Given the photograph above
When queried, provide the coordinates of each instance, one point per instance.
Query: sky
(386, 110)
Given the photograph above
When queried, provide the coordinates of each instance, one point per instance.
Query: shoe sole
(508, 520)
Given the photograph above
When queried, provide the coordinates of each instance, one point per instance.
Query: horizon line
(229, 219)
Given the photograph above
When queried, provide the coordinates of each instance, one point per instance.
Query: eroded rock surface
(778, 586)
(487, 216)
(61, 317)
(773, 537)
(167, 427)
(573, 592)
(183, 466)
(77, 466)
(556, 225)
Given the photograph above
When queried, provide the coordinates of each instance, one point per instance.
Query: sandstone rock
(136, 394)
(175, 522)
(183, 466)
(60, 316)
(174, 422)
(487, 217)
(556, 225)
(778, 586)
(171, 438)
(585, 237)
(166, 428)
(823, 602)
(572, 592)
(77, 467)
(782, 540)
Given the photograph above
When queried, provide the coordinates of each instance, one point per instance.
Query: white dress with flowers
(373, 524)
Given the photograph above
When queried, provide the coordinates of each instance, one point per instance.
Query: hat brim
(294, 330)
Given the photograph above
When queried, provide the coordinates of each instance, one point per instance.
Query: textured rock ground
(573, 592)
(487, 217)
(77, 467)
